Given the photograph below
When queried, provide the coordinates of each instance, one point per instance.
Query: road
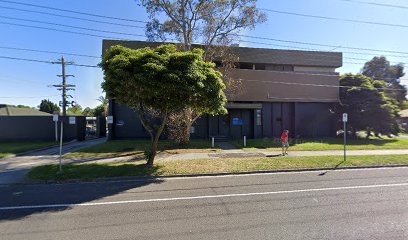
(343, 204)
(14, 169)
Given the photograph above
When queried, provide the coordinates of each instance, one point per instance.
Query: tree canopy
(47, 106)
(379, 68)
(158, 82)
(368, 107)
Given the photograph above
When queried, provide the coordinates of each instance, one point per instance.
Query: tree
(215, 24)
(379, 68)
(88, 112)
(47, 106)
(368, 107)
(75, 110)
(100, 111)
(158, 82)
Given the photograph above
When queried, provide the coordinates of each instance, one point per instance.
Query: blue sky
(26, 82)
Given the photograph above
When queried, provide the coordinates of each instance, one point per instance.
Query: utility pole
(64, 87)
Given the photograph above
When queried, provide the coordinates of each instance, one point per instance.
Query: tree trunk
(155, 142)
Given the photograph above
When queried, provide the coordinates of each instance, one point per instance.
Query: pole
(64, 88)
(212, 142)
(60, 157)
(56, 131)
(244, 141)
(345, 141)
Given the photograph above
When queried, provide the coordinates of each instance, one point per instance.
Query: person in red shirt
(285, 142)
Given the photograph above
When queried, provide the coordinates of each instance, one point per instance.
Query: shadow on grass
(63, 196)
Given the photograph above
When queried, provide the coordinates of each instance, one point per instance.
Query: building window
(258, 117)
(246, 66)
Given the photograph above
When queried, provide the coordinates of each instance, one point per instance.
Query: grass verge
(207, 166)
(119, 148)
(325, 144)
(8, 149)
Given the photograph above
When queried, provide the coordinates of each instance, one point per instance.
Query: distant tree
(47, 106)
(75, 110)
(88, 112)
(158, 82)
(214, 24)
(23, 106)
(369, 109)
(379, 68)
(100, 111)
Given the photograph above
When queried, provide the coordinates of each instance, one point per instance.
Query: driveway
(14, 169)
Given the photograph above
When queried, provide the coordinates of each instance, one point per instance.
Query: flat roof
(256, 55)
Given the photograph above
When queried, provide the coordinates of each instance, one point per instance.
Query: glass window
(258, 117)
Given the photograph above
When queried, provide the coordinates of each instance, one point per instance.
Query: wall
(38, 128)
(270, 86)
(314, 120)
(314, 69)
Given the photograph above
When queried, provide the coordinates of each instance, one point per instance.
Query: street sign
(55, 116)
(71, 120)
(345, 117)
(109, 119)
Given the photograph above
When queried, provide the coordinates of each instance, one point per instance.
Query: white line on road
(200, 197)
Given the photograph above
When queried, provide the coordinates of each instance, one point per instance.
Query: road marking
(68, 205)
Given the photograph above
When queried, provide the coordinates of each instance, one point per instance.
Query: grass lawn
(118, 148)
(180, 167)
(10, 148)
(325, 144)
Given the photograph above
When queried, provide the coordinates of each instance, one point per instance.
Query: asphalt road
(347, 204)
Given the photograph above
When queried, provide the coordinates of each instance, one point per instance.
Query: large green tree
(369, 109)
(215, 25)
(379, 68)
(47, 106)
(158, 82)
(75, 110)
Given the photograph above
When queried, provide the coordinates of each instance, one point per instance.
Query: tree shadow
(63, 196)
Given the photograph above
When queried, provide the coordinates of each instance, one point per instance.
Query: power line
(336, 19)
(317, 85)
(320, 44)
(60, 30)
(71, 17)
(31, 96)
(71, 11)
(70, 26)
(44, 61)
(377, 4)
(44, 51)
(254, 37)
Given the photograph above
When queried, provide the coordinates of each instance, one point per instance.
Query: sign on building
(71, 120)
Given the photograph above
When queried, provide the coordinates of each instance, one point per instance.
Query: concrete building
(281, 89)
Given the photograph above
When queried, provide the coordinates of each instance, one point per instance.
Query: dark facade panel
(39, 128)
(314, 120)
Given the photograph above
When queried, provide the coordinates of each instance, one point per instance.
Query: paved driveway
(13, 169)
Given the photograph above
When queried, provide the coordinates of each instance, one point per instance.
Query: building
(281, 89)
(404, 119)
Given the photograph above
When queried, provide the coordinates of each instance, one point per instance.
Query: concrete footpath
(14, 169)
(240, 153)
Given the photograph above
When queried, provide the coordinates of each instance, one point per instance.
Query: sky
(27, 83)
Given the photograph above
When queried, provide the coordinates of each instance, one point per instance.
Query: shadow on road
(335, 167)
(54, 194)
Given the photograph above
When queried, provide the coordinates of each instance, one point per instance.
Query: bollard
(244, 141)
(212, 142)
